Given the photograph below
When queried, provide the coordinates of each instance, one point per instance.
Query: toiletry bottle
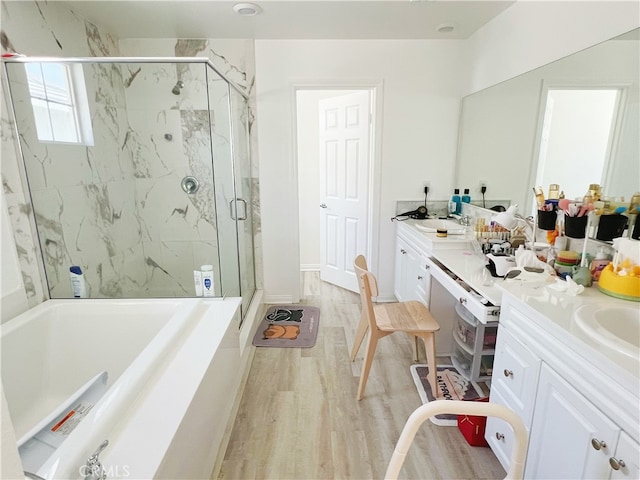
(197, 282)
(207, 280)
(466, 198)
(599, 262)
(539, 197)
(457, 200)
(78, 285)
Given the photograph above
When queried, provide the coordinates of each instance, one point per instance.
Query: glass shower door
(244, 195)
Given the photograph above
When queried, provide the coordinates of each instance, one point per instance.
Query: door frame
(375, 161)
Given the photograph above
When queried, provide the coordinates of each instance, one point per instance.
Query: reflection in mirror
(577, 129)
(501, 129)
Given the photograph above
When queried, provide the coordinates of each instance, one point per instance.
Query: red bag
(473, 426)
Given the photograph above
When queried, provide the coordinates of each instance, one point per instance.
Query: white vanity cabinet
(412, 278)
(576, 414)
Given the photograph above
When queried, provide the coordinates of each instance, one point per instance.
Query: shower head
(178, 86)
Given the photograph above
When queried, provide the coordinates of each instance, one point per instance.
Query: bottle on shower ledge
(207, 281)
(78, 284)
(466, 198)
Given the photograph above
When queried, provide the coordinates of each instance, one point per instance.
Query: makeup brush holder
(575, 227)
(611, 226)
(547, 220)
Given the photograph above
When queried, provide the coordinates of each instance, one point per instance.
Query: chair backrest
(368, 288)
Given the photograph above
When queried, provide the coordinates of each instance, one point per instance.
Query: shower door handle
(232, 210)
(244, 208)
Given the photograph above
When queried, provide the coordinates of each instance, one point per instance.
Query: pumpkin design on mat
(288, 332)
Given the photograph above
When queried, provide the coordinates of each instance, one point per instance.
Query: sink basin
(616, 326)
(432, 224)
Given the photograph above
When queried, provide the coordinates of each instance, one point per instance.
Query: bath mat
(288, 326)
(452, 385)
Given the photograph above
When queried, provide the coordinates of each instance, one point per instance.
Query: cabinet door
(499, 434)
(423, 279)
(570, 438)
(625, 464)
(401, 267)
(515, 373)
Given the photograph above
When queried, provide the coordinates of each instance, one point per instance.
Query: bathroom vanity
(575, 387)
(573, 378)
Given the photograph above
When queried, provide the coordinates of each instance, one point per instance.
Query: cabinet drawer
(628, 452)
(516, 372)
(472, 300)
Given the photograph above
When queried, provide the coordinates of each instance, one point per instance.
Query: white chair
(437, 407)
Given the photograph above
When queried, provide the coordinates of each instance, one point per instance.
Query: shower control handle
(190, 185)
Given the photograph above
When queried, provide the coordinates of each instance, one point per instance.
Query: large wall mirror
(572, 122)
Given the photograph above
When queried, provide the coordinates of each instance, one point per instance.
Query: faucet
(93, 468)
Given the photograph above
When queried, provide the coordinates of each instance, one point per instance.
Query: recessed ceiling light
(246, 9)
(445, 28)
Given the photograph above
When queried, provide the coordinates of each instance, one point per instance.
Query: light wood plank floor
(299, 417)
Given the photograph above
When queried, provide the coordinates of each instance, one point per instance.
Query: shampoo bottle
(207, 280)
(466, 198)
(197, 282)
(457, 201)
(78, 285)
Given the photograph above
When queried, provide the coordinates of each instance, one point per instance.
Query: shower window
(59, 101)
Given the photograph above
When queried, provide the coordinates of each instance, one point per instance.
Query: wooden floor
(299, 417)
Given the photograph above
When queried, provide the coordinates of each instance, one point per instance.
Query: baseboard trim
(278, 299)
(310, 267)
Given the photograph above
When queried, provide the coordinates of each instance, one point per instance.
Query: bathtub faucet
(93, 469)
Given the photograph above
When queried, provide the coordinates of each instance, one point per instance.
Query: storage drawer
(517, 371)
(479, 307)
(467, 329)
(472, 367)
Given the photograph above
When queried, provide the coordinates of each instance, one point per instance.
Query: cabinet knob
(419, 277)
(500, 436)
(427, 267)
(616, 464)
(402, 251)
(598, 444)
(508, 373)
(462, 300)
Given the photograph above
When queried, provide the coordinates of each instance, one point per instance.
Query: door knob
(323, 205)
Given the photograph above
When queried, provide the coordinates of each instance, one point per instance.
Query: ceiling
(296, 19)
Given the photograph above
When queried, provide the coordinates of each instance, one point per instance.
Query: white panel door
(344, 178)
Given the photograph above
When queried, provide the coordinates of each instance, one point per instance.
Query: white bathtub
(174, 368)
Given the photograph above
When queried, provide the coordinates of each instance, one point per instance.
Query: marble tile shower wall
(126, 220)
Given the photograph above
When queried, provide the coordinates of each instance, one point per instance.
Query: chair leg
(366, 364)
(363, 326)
(416, 357)
(429, 340)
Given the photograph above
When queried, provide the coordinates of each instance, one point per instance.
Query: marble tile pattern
(116, 208)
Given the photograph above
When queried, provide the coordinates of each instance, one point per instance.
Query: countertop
(557, 309)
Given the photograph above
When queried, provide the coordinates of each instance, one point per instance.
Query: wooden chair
(384, 319)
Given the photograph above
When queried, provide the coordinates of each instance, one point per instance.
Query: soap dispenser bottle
(466, 198)
(455, 205)
(598, 263)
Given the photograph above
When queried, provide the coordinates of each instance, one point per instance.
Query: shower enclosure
(139, 172)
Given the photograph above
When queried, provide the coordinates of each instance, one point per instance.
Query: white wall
(419, 111)
(532, 33)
